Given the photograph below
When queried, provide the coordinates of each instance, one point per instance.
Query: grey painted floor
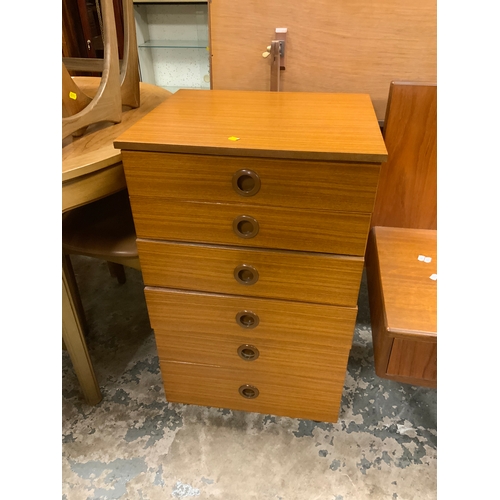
(135, 445)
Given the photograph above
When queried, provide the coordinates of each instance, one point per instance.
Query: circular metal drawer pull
(247, 319)
(246, 275)
(245, 226)
(248, 352)
(246, 182)
(249, 391)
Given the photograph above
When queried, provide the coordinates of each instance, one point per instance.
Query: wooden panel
(306, 126)
(412, 359)
(279, 322)
(72, 34)
(407, 191)
(341, 46)
(410, 296)
(307, 230)
(320, 278)
(276, 358)
(292, 396)
(284, 183)
(382, 343)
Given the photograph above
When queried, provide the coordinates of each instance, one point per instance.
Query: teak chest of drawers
(252, 211)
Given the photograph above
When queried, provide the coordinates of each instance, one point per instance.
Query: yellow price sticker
(72, 95)
(232, 138)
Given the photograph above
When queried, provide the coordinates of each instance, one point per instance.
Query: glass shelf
(175, 89)
(174, 44)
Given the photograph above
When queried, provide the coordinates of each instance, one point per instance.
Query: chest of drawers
(252, 211)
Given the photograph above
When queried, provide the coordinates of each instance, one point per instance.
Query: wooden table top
(95, 150)
(300, 125)
(410, 295)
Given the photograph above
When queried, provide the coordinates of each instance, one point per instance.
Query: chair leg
(74, 341)
(117, 271)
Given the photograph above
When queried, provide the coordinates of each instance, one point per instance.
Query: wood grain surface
(407, 190)
(382, 341)
(294, 396)
(403, 304)
(295, 125)
(279, 322)
(299, 276)
(342, 46)
(348, 187)
(92, 186)
(274, 358)
(73, 99)
(282, 228)
(410, 296)
(414, 360)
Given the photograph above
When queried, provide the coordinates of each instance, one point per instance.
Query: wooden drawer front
(276, 320)
(291, 395)
(291, 229)
(245, 352)
(319, 278)
(319, 185)
(413, 359)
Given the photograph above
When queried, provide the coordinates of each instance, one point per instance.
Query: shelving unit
(173, 44)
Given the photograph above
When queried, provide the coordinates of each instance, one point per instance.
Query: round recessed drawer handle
(245, 226)
(246, 182)
(246, 275)
(249, 391)
(248, 352)
(247, 319)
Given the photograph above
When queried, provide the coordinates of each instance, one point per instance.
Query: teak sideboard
(252, 211)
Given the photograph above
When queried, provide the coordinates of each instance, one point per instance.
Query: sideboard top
(299, 125)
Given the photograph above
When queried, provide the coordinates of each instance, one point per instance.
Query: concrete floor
(135, 445)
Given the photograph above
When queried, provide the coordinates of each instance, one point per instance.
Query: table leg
(74, 340)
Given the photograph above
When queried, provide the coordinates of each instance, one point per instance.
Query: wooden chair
(401, 256)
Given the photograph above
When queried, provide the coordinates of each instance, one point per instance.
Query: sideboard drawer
(320, 278)
(251, 226)
(293, 396)
(254, 319)
(344, 187)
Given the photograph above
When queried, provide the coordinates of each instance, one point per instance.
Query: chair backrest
(407, 190)
(119, 83)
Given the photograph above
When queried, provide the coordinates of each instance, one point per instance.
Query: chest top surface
(299, 125)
